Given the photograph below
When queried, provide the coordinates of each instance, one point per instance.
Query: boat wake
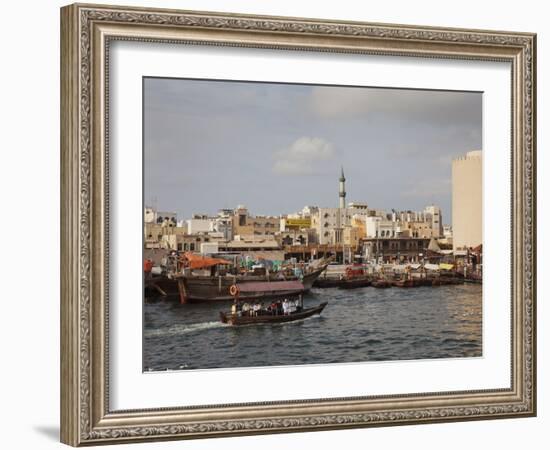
(176, 330)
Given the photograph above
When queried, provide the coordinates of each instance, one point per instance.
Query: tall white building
(467, 173)
(433, 215)
(326, 222)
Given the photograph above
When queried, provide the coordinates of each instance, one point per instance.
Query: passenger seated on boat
(234, 308)
(246, 309)
(273, 308)
(256, 309)
(285, 307)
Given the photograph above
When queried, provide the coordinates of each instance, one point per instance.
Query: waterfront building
(378, 227)
(294, 223)
(154, 233)
(359, 223)
(351, 236)
(433, 215)
(202, 223)
(254, 246)
(308, 211)
(447, 239)
(395, 249)
(467, 200)
(423, 229)
(224, 225)
(151, 215)
(328, 223)
(246, 224)
(189, 242)
(292, 237)
(199, 225)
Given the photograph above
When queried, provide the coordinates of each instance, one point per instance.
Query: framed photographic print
(276, 224)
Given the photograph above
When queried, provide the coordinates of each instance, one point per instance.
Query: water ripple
(365, 324)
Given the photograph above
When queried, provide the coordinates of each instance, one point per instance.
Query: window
(192, 246)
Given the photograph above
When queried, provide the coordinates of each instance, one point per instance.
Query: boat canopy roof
(202, 262)
(270, 286)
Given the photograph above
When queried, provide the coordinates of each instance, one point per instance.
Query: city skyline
(210, 145)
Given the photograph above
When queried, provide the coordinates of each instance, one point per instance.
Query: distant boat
(355, 283)
(233, 319)
(381, 284)
(355, 277)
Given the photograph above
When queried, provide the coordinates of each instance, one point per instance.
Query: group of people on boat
(276, 308)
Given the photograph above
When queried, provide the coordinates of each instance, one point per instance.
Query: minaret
(342, 193)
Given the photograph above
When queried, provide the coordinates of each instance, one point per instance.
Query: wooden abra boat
(407, 283)
(355, 283)
(345, 283)
(381, 284)
(234, 319)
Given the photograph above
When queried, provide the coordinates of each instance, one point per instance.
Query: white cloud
(433, 107)
(429, 189)
(303, 156)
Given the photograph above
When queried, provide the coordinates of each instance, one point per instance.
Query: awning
(270, 286)
(446, 266)
(202, 262)
(431, 266)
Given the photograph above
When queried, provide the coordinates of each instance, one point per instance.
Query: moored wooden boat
(217, 288)
(355, 283)
(381, 284)
(323, 283)
(407, 283)
(234, 319)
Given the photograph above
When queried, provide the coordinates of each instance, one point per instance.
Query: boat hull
(206, 289)
(355, 283)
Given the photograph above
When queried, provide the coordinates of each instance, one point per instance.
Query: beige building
(432, 214)
(154, 233)
(351, 236)
(418, 229)
(245, 225)
(467, 200)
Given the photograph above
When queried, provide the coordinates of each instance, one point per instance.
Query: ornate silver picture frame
(87, 32)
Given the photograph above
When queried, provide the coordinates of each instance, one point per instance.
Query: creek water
(358, 325)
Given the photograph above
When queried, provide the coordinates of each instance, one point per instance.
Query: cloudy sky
(278, 147)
